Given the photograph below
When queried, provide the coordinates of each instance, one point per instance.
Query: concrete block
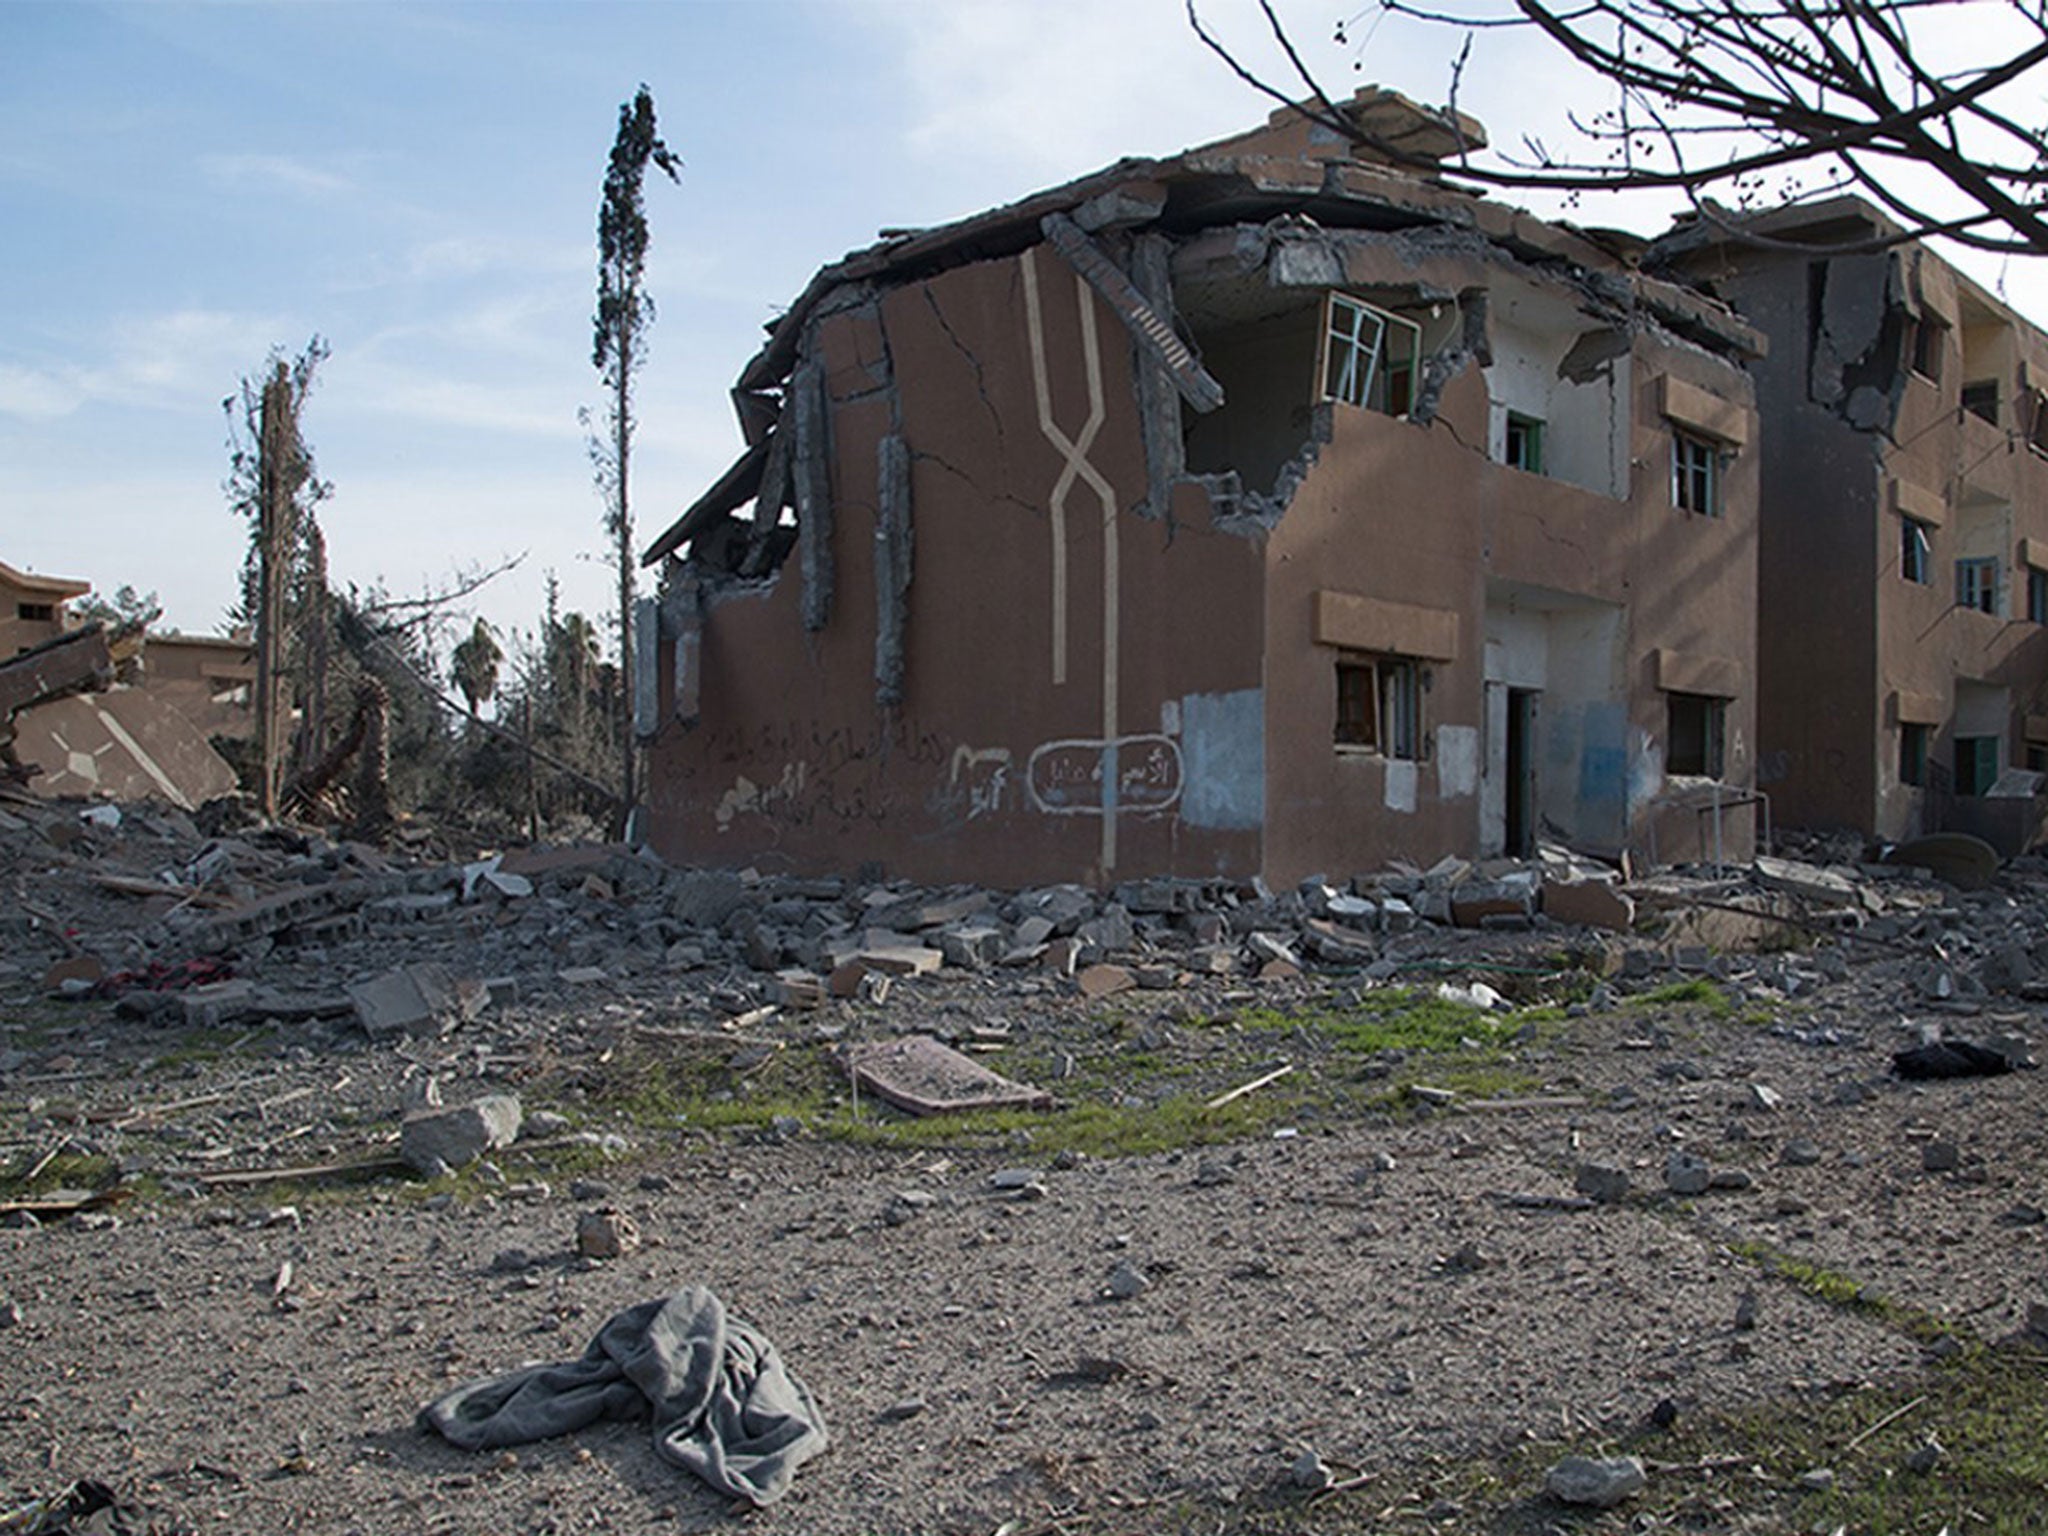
(454, 1138)
(423, 999)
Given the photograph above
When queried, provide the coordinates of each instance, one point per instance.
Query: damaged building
(1904, 517)
(1261, 510)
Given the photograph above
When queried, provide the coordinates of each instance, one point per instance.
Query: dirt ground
(1133, 1342)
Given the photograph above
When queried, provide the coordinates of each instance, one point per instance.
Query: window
(1695, 474)
(2037, 595)
(2037, 757)
(1980, 398)
(1379, 706)
(36, 613)
(1976, 764)
(1524, 443)
(1928, 339)
(1369, 356)
(1916, 559)
(1913, 754)
(1977, 584)
(1693, 739)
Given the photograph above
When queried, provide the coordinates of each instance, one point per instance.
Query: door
(1521, 772)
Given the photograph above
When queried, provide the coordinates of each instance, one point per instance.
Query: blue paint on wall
(1603, 770)
(1223, 756)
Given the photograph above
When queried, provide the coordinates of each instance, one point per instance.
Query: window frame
(1968, 585)
(1526, 432)
(1697, 471)
(1915, 741)
(1973, 400)
(2037, 595)
(1379, 706)
(1925, 346)
(1388, 384)
(1916, 550)
(1713, 723)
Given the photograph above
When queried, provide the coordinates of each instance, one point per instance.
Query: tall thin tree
(624, 313)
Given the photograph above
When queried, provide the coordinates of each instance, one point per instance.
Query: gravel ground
(1392, 1289)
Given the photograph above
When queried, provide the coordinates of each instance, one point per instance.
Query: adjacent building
(1255, 511)
(1903, 578)
(32, 608)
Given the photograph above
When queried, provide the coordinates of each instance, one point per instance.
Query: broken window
(1977, 584)
(1379, 705)
(1524, 443)
(1913, 754)
(1695, 473)
(1369, 356)
(35, 613)
(1976, 764)
(1980, 398)
(1927, 341)
(2037, 595)
(1916, 556)
(2037, 421)
(1693, 738)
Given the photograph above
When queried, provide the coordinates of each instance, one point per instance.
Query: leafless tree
(1725, 96)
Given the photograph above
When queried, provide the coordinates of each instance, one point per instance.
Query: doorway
(1521, 772)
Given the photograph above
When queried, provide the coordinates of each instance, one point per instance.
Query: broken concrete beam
(1105, 980)
(1591, 903)
(972, 946)
(798, 989)
(423, 999)
(436, 1141)
(295, 908)
(217, 1003)
(1338, 945)
(1512, 895)
(918, 914)
(1808, 880)
(76, 662)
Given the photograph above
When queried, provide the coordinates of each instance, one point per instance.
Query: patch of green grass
(1697, 992)
(1397, 1019)
(69, 1171)
(1844, 1291)
(1093, 1128)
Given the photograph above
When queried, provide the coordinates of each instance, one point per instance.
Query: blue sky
(184, 187)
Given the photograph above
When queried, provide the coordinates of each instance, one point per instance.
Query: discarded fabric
(1949, 1058)
(724, 1405)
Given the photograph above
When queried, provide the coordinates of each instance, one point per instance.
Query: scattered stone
(606, 1233)
(1597, 1483)
(1922, 1460)
(1800, 1153)
(1685, 1173)
(10, 1313)
(1602, 1182)
(1746, 1311)
(1817, 1480)
(1309, 1473)
(1941, 1157)
(435, 1141)
(903, 1408)
(1127, 1281)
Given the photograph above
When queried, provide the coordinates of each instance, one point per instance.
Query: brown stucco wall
(1411, 514)
(986, 770)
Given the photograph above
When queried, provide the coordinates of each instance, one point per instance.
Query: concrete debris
(1598, 1483)
(421, 1000)
(606, 1233)
(434, 1142)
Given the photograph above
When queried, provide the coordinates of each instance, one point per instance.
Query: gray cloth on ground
(725, 1407)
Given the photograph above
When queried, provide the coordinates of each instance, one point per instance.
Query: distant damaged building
(1254, 511)
(1903, 619)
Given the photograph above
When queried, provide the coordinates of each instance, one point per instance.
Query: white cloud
(274, 173)
(35, 395)
(169, 359)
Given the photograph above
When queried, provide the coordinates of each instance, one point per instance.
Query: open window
(1926, 343)
(1369, 356)
(1696, 473)
(1523, 448)
(1916, 550)
(1696, 731)
(1379, 706)
(1977, 583)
